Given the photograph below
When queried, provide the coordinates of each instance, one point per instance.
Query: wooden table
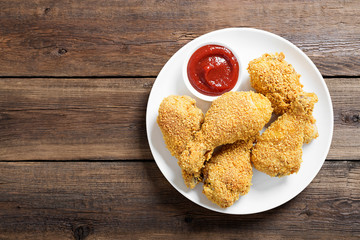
(75, 80)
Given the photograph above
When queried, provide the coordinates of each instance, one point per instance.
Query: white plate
(266, 192)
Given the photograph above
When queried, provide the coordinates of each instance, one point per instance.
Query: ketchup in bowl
(213, 70)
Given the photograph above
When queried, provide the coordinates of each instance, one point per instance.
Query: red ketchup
(213, 70)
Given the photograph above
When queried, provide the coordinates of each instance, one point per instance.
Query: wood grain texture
(345, 95)
(132, 200)
(57, 119)
(136, 38)
(72, 119)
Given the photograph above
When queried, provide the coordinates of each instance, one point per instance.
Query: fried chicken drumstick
(228, 173)
(231, 117)
(278, 151)
(272, 76)
(179, 119)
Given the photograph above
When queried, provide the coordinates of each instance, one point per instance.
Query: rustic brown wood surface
(75, 77)
(132, 200)
(126, 38)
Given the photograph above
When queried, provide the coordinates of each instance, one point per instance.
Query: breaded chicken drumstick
(278, 151)
(228, 174)
(272, 76)
(231, 117)
(179, 119)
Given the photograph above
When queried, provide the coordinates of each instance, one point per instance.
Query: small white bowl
(185, 75)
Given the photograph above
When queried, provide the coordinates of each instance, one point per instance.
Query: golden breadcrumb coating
(278, 151)
(272, 76)
(179, 119)
(231, 117)
(228, 174)
(310, 130)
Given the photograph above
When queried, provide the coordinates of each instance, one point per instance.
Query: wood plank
(71, 119)
(131, 38)
(132, 200)
(345, 96)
